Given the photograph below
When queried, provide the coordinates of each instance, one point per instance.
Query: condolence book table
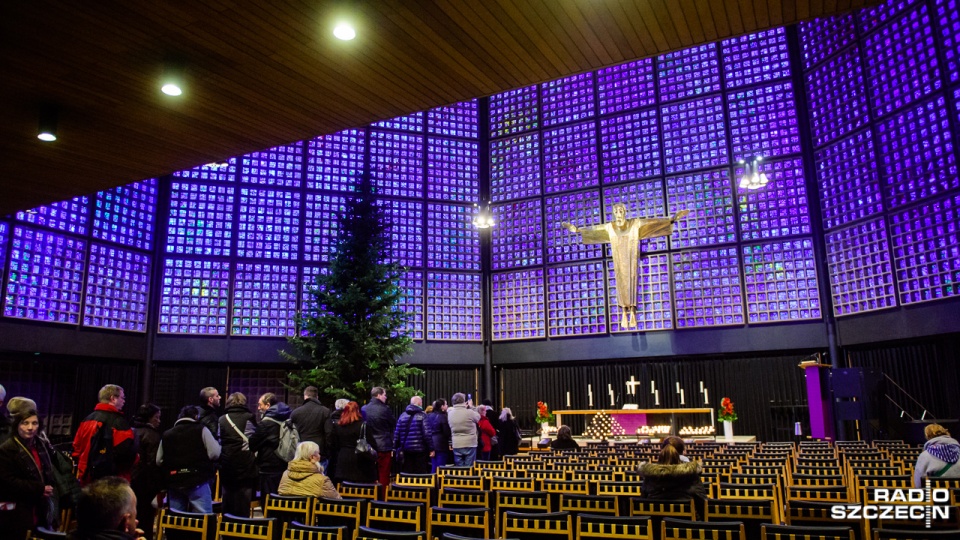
(632, 419)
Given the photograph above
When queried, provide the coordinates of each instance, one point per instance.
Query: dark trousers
(237, 500)
(146, 514)
(416, 463)
(269, 483)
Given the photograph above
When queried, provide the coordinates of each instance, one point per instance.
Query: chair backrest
(41, 533)
(589, 504)
(751, 512)
(355, 490)
(831, 493)
(451, 536)
(682, 529)
(461, 482)
(417, 494)
(340, 512)
(298, 531)
(505, 483)
(451, 497)
(484, 464)
(525, 525)
(395, 516)
(522, 501)
(231, 526)
(761, 492)
(369, 533)
(797, 532)
(819, 514)
(659, 509)
(466, 521)
(289, 508)
(200, 526)
(416, 480)
(454, 470)
(624, 527)
(817, 480)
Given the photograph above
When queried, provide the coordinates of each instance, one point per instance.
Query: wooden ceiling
(261, 74)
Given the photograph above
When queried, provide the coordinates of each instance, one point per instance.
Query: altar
(633, 419)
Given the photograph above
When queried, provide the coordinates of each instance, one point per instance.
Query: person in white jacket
(463, 421)
(939, 457)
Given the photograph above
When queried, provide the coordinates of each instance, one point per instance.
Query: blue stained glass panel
(926, 250)
(948, 14)
(755, 58)
(323, 224)
(269, 225)
(117, 292)
(264, 300)
(335, 162)
(280, 166)
(822, 38)
(778, 209)
(411, 283)
(569, 99)
(4, 228)
(626, 86)
(709, 197)
(396, 164)
(514, 111)
(515, 168)
(570, 158)
(871, 18)
(453, 170)
(125, 215)
(201, 219)
(707, 290)
(457, 120)
(576, 300)
(763, 122)
(781, 281)
(70, 216)
(194, 297)
(45, 278)
(404, 221)
(849, 184)
(654, 297)
(309, 308)
(858, 260)
(453, 243)
(518, 237)
(836, 99)
(688, 72)
(517, 305)
(411, 122)
(630, 146)
(217, 171)
(643, 200)
(694, 134)
(453, 307)
(581, 209)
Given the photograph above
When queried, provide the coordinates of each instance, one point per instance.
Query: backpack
(100, 461)
(289, 439)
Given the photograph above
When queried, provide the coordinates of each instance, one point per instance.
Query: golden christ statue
(624, 237)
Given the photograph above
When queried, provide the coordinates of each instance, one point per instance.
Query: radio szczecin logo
(898, 504)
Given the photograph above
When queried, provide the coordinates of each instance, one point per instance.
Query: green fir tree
(352, 328)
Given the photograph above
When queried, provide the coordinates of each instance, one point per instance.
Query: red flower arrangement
(727, 413)
(543, 413)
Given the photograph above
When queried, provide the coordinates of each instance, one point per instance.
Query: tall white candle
(568, 399)
(701, 386)
(589, 395)
(656, 396)
(612, 403)
(681, 397)
(653, 388)
(706, 400)
(678, 388)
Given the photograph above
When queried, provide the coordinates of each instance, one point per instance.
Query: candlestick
(568, 399)
(678, 388)
(701, 386)
(706, 400)
(681, 396)
(589, 395)
(653, 388)
(656, 396)
(612, 402)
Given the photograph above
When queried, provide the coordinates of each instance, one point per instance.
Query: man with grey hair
(104, 444)
(463, 428)
(414, 445)
(311, 421)
(332, 421)
(107, 509)
(380, 425)
(210, 410)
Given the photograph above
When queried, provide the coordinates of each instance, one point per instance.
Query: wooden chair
(523, 525)
(474, 522)
(755, 492)
(458, 498)
(369, 533)
(298, 531)
(41, 533)
(681, 529)
(231, 526)
(796, 532)
(504, 483)
(348, 513)
(523, 501)
(819, 514)
(751, 512)
(836, 494)
(454, 470)
(289, 508)
(395, 516)
(657, 510)
(462, 482)
(414, 494)
(193, 525)
(600, 527)
(354, 490)
(416, 480)
(587, 504)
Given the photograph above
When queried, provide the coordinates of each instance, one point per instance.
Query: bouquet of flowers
(727, 413)
(543, 413)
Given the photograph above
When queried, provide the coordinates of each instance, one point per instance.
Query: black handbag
(363, 447)
(65, 482)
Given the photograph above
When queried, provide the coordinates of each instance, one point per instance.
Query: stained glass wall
(658, 135)
(882, 88)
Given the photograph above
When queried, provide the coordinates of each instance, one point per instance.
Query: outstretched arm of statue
(570, 227)
(679, 215)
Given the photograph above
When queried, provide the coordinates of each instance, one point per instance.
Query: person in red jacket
(487, 432)
(102, 453)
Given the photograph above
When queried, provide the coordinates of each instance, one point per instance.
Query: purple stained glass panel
(948, 14)
(915, 151)
(643, 200)
(626, 86)
(396, 164)
(654, 298)
(453, 307)
(822, 38)
(453, 243)
(688, 72)
(709, 197)
(694, 134)
(514, 111)
(570, 158)
(569, 99)
(453, 170)
(781, 281)
(518, 237)
(280, 166)
(404, 221)
(308, 283)
(576, 300)
(871, 18)
(411, 122)
(457, 120)
(858, 260)
(581, 209)
(849, 185)
(515, 168)
(411, 283)
(755, 58)
(264, 300)
(3, 245)
(117, 292)
(518, 301)
(778, 209)
(269, 225)
(630, 146)
(125, 215)
(836, 99)
(926, 250)
(201, 219)
(763, 121)
(323, 224)
(707, 288)
(45, 277)
(194, 297)
(335, 162)
(70, 216)
(217, 171)
(901, 61)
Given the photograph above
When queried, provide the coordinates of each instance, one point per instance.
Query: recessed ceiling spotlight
(172, 82)
(344, 31)
(47, 131)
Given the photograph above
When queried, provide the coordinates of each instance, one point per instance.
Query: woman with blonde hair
(304, 475)
(939, 458)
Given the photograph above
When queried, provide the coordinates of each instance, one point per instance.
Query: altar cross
(632, 385)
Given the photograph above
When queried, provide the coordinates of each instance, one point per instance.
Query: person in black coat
(147, 479)
(671, 479)
(26, 478)
(380, 423)
(209, 407)
(239, 475)
(564, 440)
(414, 445)
(265, 441)
(509, 433)
(331, 451)
(311, 421)
(438, 426)
(350, 466)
